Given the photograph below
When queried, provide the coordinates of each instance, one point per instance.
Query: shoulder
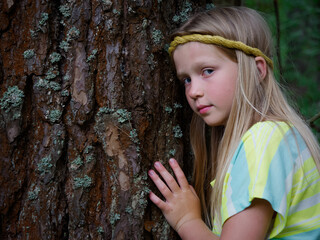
(261, 130)
(268, 143)
(269, 135)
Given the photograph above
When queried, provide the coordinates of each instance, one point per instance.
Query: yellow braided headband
(209, 39)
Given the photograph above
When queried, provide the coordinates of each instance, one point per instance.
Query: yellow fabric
(217, 40)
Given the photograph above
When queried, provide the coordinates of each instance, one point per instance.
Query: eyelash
(205, 70)
(183, 80)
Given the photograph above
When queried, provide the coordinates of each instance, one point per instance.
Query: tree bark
(88, 102)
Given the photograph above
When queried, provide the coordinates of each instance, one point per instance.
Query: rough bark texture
(88, 103)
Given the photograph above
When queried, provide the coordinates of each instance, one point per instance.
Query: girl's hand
(181, 203)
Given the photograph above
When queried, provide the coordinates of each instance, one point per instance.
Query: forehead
(198, 48)
(197, 52)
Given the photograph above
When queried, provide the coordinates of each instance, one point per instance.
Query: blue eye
(207, 72)
(186, 80)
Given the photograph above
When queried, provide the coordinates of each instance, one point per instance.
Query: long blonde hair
(255, 100)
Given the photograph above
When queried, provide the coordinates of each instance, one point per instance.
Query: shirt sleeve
(261, 168)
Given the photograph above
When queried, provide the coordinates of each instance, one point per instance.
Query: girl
(258, 177)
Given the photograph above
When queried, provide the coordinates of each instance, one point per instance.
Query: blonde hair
(255, 100)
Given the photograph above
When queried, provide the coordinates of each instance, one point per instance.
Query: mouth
(202, 109)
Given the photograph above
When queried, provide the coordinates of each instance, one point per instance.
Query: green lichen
(130, 10)
(64, 45)
(107, 3)
(144, 24)
(66, 78)
(172, 152)
(209, 6)
(139, 200)
(100, 230)
(73, 33)
(92, 55)
(90, 158)
(176, 18)
(163, 228)
(177, 132)
(33, 195)
(123, 115)
(34, 34)
(116, 12)
(114, 218)
(54, 115)
(29, 54)
(85, 182)
(134, 136)
(41, 24)
(59, 133)
(184, 14)
(104, 110)
(166, 47)
(65, 93)
(43, 83)
(54, 57)
(157, 36)
(65, 10)
(52, 73)
(168, 109)
(62, 23)
(129, 210)
(58, 141)
(44, 19)
(12, 101)
(55, 86)
(88, 149)
(77, 162)
(177, 105)
(45, 165)
(138, 149)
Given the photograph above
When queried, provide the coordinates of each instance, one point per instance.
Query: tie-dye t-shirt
(272, 162)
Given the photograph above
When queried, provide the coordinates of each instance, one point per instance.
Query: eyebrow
(200, 64)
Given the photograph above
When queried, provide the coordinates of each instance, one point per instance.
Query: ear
(262, 66)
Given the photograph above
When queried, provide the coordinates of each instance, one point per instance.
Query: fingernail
(172, 160)
(157, 164)
(151, 172)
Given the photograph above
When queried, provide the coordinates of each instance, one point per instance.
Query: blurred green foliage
(299, 50)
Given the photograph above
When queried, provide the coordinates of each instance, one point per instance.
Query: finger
(157, 201)
(182, 180)
(167, 177)
(163, 188)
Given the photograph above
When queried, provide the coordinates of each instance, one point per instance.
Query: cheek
(223, 95)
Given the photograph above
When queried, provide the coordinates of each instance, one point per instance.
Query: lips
(202, 109)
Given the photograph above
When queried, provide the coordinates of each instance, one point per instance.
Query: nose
(195, 89)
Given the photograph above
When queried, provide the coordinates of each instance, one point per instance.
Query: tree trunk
(88, 102)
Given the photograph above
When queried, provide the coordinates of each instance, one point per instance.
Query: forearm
(196, 229)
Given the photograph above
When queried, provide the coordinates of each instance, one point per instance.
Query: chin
(215, 122)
